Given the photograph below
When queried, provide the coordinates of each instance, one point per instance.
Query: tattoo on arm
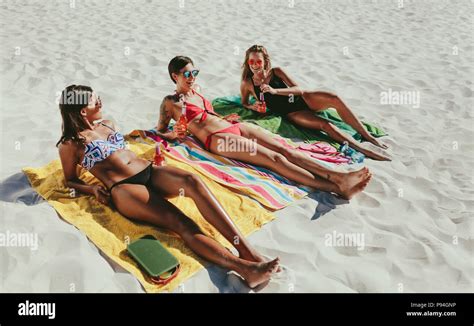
(164, 119)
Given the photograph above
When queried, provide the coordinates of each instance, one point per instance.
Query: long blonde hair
(246, 72)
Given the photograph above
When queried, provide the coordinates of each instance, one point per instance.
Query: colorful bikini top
(98, 150)
(192, 110)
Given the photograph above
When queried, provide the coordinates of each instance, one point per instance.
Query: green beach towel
(279, 125)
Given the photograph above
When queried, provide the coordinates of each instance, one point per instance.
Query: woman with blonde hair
(284, 97)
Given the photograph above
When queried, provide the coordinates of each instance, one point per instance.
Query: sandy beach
(405, 66)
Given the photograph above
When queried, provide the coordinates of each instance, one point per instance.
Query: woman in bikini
(216, 133)
(283, 97)
(138, 189)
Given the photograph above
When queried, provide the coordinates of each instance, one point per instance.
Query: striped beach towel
(268, 188)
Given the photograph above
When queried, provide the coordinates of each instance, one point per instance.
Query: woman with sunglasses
(283, 97)
(234, 140)
(138, 189)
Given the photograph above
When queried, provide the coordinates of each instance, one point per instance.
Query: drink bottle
(263, 107)
(182, 122)
(159, 158)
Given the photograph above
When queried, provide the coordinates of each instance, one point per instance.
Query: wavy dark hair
(178, 63)
(73, 99)
(246, 72)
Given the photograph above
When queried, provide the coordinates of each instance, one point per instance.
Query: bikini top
(192, 110)
(98, 150)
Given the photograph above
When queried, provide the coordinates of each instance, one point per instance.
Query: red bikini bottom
(234, 129)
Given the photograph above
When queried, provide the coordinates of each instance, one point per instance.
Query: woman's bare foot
(376, 142)
(345, 181)
(255, 257)
(258, 273)
(348, 194)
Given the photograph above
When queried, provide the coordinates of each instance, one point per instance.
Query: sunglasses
(194, 73)
(257, 62)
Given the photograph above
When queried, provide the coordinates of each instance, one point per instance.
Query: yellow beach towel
(111, 232)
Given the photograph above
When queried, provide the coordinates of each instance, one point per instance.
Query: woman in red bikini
(139, 189)
(278, 88)
(223, 137)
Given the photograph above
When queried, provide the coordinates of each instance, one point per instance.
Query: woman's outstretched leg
(318, 101)
(172, 182)
(277, 162)
(344, 180)
(139, 203)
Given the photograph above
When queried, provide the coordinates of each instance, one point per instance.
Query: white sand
(415, 216)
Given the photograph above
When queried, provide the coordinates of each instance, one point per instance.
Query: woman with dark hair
(283, 97)
(234, 140)
(138, 189)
